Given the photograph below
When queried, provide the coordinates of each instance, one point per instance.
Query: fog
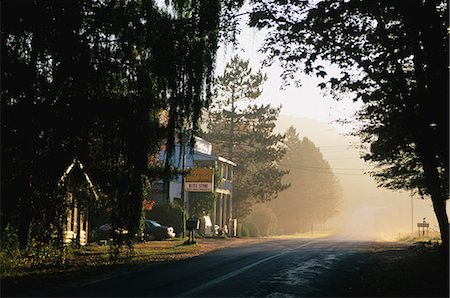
(366, 211)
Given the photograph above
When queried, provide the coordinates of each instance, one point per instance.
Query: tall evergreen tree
(314, 195)
(237, 84)
(246, 135)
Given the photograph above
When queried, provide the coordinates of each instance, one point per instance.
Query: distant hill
(389, 212)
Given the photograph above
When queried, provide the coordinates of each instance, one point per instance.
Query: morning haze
(390, 210)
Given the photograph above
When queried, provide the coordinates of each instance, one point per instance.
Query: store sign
(198, 186)
(199, 180)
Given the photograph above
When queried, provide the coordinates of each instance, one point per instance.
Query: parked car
(152, 231)
(155, 231)
(102, 235)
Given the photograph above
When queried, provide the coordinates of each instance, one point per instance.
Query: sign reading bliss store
(199, 180)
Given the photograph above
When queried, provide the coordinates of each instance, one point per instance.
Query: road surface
(271, 268)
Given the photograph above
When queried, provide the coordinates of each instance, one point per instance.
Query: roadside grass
(92, 256)
(91, 262)
(93, 259)
(415, 237)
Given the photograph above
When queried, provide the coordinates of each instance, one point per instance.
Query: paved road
(272, 268)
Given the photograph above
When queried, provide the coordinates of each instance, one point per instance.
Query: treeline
(314, 195)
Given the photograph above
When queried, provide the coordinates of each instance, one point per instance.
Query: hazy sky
(307, 101)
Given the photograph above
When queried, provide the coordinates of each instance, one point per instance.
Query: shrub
(167, 215)
(245, 233)
(253, 230)
(264, 219)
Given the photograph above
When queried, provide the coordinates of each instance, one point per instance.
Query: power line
(322, 168)
(321, 172)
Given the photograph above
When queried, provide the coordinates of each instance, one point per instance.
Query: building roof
(204, 156)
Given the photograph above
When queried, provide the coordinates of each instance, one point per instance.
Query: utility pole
(183, 166)
(232, 116)
(412, 214)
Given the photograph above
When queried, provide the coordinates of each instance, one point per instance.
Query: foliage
(315, 193)
(148, 204)
(391, 56)
(201, 204)
(237, 84)
(167, 215)
(264, 219)
(250, 230)
(245, 233)
(246, 135)
(88, 80)
(35, 255)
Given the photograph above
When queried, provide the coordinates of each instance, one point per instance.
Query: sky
(306, 101)
(314, 114)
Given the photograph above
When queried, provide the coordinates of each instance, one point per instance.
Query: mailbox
(192, 224)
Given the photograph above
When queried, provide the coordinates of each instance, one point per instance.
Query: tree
(392, 57)
(314, 194)
(263, 218)
(201, 204)
(88, 80)
(251, 141)
(237, 84)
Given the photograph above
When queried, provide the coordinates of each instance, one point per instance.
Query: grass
(93, 256)
(415, 237)
(92, 262)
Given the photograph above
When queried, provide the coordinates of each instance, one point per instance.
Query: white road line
(239, 271)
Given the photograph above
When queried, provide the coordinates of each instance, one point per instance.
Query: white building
(200, 158)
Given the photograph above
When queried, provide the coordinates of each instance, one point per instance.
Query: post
(183, 213)
(412, 214)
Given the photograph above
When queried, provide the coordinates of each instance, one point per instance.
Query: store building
(198, 159)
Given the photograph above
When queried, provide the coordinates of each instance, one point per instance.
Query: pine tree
(247, 135)
(314, 194)
(237, 84)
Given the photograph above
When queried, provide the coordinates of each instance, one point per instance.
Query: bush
(35, 255)
(245, 233)
(201, 204)
(253, 230)
(167, 215)
(263, 219)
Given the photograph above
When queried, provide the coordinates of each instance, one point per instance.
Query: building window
(224, 171)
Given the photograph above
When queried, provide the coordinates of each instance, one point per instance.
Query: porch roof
(203, 156)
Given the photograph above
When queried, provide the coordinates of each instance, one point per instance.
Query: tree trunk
(422, 115)
(442, 217)
(438, 198)
(25, 212)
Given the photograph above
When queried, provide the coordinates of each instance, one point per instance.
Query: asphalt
(272, 268)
